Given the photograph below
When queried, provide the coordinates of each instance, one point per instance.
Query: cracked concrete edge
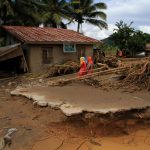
(65, 107)
(70, 110)
(39, 100)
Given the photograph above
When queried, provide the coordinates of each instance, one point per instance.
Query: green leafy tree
(86, 11)
(54, 13)
(126, 37)
(137, 42)
(122, 34)
(6, 11)
(147, 37)
(26, 13)
(20, 12)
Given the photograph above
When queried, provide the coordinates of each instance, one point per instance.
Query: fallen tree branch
(59, 82)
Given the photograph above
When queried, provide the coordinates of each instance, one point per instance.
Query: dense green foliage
(51, 13)
(126, 37)
(108, 49)
(19, 12)
(54, 11)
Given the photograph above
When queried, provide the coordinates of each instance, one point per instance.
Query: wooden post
(25, 62)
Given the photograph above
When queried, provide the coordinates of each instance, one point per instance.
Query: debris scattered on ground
(6, 140)
(92, 82)
(111, 62)
(67, 68)
(97, 72)
(2, 143)
(138, 75)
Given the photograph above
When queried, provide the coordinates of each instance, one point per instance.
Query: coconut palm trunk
(86, 11)
(78, 28)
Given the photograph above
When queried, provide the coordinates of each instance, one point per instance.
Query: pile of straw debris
(67, 68)
(92, 82)
(139, 75)
(111, 62)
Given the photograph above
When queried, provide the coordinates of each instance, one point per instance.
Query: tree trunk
(78, 29)
(5, 14)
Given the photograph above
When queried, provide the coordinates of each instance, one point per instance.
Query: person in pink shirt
(82, 70)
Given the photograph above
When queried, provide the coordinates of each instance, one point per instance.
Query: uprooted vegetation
(136, 76)
(66, 68)
(128, 75)
(139, 75)
(131, 75)
(73, 67)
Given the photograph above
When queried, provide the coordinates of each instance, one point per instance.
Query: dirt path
(30, 120)
(48, 129)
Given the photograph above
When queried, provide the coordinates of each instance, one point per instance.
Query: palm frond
(100, 23)
(101, 5)
(97, 14)
(57, 19)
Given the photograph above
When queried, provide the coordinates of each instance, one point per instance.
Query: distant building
(45, 46)
(147, 49)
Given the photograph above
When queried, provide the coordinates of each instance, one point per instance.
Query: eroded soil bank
(49, 129)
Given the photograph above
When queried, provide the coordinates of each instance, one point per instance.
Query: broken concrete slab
(69, 109)
(74, 99)
(42, 103)
(55, 103)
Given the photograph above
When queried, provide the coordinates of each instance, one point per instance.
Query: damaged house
(34, 48)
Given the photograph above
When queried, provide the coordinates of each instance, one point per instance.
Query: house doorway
(81, 52)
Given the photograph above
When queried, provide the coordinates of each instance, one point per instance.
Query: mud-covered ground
(49, 129)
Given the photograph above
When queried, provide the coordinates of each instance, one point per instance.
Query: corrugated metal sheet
(10, 51)
(6, 49)
(45, 35)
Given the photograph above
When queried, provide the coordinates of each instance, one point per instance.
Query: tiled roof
(47, 35)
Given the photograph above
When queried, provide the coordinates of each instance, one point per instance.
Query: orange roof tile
(47, 35)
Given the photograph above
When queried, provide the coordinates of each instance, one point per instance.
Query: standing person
(82, 70)
(119, 53)
(90, 65)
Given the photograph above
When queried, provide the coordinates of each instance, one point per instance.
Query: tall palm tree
(26, 12)
(19, 12)
(86, 11)
(55, 12)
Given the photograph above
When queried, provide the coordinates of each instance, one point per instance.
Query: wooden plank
(11, 55)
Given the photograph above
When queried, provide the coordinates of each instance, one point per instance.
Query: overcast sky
(137, 11)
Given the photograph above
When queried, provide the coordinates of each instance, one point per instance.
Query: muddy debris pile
(138, 75)
(67, 68)
(111, 61)
(92, 82)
